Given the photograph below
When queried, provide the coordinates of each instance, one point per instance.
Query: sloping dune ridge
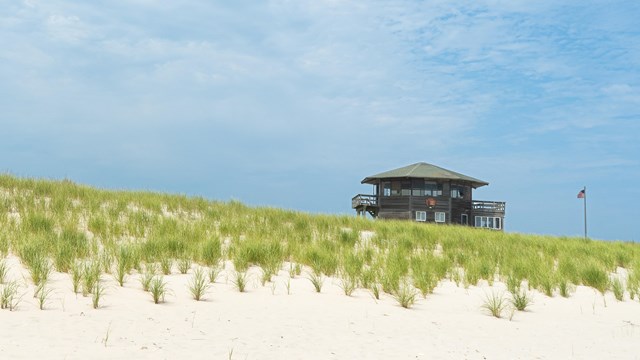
(388, 290)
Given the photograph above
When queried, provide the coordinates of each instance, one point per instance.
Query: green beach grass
(88, 232)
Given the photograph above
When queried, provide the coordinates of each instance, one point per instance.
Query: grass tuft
(165, 265)
(184, 265)
(77, 271)
(495, 303)
(198, 285)
(42, 294)
(39, 268)
(158, 289)
(4, 270)
(240, 281)
(214, 271)
(317, 280)
(90, 276)
(520, 299)
(96, 294)
(618, 289)
(405, 295)
(348, 285)
(147, 277)
(9, 298)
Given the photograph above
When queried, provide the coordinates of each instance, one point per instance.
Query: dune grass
(405, 295)
(146, 277)
(158, 289)
(42, 294)
(62, 226)
(317, 280)
(520, 299)
(3, 271)
(495, 303)
(97, 294)
(198, 285)
(9, 298)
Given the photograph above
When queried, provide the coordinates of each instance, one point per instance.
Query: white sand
(259, 324)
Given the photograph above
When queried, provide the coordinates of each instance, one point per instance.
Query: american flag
(581, 194)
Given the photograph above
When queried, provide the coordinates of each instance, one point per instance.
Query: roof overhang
(424, 171)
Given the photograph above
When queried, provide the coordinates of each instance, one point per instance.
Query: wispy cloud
(338, 87)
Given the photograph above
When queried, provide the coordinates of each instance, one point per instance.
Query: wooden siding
(404, 207)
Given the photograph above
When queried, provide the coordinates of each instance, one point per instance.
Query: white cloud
(280, 84)
(66, 28)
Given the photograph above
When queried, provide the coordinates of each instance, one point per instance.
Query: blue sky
(291, 103)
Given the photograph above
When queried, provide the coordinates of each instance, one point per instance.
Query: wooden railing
(492, 206)
(364, 200)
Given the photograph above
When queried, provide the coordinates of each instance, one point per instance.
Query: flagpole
(584, 191)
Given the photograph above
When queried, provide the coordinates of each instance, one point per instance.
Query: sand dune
(268, 323)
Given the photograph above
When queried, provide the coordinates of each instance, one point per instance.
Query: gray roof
(423, 170)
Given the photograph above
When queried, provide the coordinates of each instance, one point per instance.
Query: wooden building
(428, 193)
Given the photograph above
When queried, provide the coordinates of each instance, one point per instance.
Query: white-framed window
(441, 217)
(489, 222)
(421, 216)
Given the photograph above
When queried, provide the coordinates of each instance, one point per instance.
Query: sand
(268, 323)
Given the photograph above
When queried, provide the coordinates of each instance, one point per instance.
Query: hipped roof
(423, 170)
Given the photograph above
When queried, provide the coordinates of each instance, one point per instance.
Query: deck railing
(364, 200)
(493, 206)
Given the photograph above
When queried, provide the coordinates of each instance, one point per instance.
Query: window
(421, 216)
(406, 188)
(432, 189)
(440, 217)
(395, 188)
(464, 219)
(457, 191)
(489, 222)
(386, 188)
(417, 187)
